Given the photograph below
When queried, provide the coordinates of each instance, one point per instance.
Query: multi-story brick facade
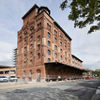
(44, 48)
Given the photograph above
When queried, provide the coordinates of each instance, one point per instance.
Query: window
(31, 38)
(49, 35)
(38, 55)
(65, 53)
(31, 62)
(24, 63)
(24, 73)
(39, 25)
(32, 30)
(55, 55)
(25, 34)
(61, 36)
(38, 37)
(55, 39)
(48, 27)
(48, 43)
(25, 48)
(20, 38)
(55, 32)
(48, 52)
(38, 46)
(60, 43)
(66, 59)
(61, 50)
(25, 56)
(48, 59)
(55, 47)
(25, 41)
(65, 46)
(61, 57)
(31, 73)
(31, 46)
(31, 54)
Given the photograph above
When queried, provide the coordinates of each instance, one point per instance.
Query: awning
(57, 63)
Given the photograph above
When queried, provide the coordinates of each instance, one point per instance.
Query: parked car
(12, 78)
(3, 79)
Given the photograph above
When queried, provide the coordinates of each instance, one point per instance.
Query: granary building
(44, 48)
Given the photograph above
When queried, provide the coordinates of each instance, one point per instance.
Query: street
(69, 90)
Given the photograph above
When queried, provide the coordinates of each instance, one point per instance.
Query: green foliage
(96, 72)
(84, 12)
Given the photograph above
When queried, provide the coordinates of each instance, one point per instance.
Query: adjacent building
(44, 48)
(7, 70)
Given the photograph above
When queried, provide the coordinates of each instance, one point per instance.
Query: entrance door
(38, 75)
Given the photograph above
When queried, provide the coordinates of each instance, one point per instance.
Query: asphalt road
(73, 90)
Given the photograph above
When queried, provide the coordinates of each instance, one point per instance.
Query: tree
(84, 12)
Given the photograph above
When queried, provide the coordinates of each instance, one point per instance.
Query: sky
(85, 46)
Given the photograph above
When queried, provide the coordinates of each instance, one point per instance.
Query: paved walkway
(71, 90)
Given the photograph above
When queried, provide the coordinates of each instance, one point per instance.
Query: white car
(12, 78)
(3, 79)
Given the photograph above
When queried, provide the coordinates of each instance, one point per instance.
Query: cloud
(6, 53)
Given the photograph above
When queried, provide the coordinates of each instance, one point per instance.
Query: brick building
(44, 48)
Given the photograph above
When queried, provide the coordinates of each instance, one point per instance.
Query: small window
(25, 34)
(48, 52)
(55, 32)
(61, 50)
(25, 41)
(48, 59)
(48, 27)
(55, 55)
(24, 63)
(20, 38)
(38, 46)
(25, 48)
(61, 57)
(38, 37)
(31, 38)
(49, 35)
(24, 73)
(55, 47)
(38, 55)
(60, 43)
(31, 54)
(48, 43)
(25, 56)
(31, 73)
(31, 46)
(61, 36)
(32, 30)
(39, 25)
(55, 39)
(65, 53)
(65, 58)
(31, 62)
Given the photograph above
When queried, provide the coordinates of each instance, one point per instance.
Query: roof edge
(76, 58)
(29, 11)
(62, 29)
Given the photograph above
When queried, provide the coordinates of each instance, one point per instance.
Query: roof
(35, 6)
(82, 69)
(62, 29)
(77, 58)
(5, 66)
